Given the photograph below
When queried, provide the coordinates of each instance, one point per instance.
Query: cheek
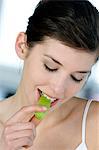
(33, 78)
(73, 89)
(38, 76)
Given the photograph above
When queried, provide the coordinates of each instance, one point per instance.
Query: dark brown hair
(73, 22)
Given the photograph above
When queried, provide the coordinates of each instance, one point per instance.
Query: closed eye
(50, 69)
(75, 79)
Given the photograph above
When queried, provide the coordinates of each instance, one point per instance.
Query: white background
(13, 19)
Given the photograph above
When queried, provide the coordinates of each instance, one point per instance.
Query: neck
(60, 114)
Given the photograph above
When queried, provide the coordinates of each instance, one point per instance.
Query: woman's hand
(19, 131)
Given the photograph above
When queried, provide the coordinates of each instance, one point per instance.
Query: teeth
(52, 99)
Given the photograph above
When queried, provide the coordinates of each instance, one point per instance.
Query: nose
(59, 87)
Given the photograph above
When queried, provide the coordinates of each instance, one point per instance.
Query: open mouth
(53, 100)
(53, 103)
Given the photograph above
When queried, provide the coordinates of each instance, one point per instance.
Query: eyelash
(76, 80)
(54, 70)
(49, 69)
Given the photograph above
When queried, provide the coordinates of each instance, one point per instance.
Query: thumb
(25, 114)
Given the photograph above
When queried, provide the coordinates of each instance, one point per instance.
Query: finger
(22, 142)
(19, 126)
(25, 114)
(20, 134)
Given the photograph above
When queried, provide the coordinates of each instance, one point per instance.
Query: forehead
(67, 56)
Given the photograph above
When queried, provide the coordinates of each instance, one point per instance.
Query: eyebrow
(88, 71)
(56, 61)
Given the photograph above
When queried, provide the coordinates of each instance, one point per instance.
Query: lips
(53, 103)
(53, 100)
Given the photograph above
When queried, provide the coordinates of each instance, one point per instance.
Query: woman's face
(57, 70)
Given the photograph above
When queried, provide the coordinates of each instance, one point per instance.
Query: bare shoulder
(5, 109)
(1, 121)
(4, 104)
(94, 106)
(92, 122)
(93, 111)
(93, 125)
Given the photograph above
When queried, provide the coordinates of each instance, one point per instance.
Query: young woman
(59, 48)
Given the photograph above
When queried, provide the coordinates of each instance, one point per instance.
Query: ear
(21, 45)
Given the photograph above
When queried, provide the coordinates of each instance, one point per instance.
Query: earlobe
(21, 46)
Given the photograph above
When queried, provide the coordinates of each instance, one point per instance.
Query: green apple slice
(43, 101)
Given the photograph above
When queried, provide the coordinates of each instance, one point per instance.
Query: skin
(68, 65)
